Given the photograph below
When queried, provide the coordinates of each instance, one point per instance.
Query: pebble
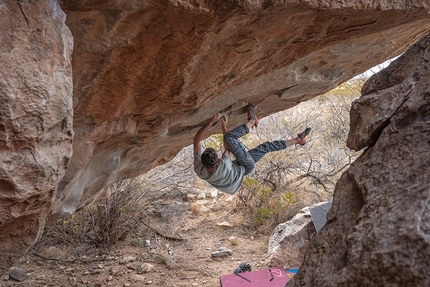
(224, 224)
(137, 278)
(214, 193)
(133, 266)
(191, 196)
(18, 274)
(146, 267)
(127, 259)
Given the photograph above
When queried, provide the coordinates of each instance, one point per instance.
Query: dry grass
(103, 223)
(195, 208)
(234, 241)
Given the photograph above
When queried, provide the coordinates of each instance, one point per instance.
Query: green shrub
(137, 241)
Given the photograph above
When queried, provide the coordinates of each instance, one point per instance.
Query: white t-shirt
(226, 176)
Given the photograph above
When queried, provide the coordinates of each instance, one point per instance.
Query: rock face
(36, 114)
(146, 76)
(290, 240)
(378, 230)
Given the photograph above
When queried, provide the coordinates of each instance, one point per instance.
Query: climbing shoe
(252, 115)
(243, 267)
(302, 136)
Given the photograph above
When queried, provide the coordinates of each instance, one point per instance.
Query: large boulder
(36, 113)
(147, 74)
(290, 240)
(378, 230)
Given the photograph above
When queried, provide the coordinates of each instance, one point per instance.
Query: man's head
(209, 158)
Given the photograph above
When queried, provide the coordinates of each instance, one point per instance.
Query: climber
(225, 174)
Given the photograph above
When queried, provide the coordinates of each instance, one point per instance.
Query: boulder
(36, 115)
(378, 230)
(290, 240)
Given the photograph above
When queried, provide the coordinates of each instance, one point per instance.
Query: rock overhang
(148, 74)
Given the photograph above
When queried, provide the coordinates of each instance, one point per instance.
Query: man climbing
(225, 174)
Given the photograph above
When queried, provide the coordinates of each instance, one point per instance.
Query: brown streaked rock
(36, 114)
(378, 230)
(148, 74)
(290, 240)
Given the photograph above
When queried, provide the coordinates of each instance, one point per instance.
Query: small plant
(234, 241)
(137, 241)
(249, 182)
(164, 278)
(273, 208)
(195, 208)
(114, 217)
(289, 198)
(70, 230)
(264, 194)
(263, 213)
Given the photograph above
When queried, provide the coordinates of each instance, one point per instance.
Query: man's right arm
(227, 152)
(200, 134)
(224, 122)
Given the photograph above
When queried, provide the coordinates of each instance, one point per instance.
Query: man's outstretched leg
(248, 159)
(261, 150)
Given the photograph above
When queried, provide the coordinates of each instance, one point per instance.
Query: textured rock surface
(290, 240)
(378, 230)
(35, 119)
(147, 74)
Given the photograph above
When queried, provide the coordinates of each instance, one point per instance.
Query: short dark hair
(209, 158)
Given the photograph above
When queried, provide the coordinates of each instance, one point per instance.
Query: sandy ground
(183, 259)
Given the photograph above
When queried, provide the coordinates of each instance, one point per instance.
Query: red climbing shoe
(302, 136)
(252, 115)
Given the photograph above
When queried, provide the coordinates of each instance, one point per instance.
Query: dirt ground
(183, 259)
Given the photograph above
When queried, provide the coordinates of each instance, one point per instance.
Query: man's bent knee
(231, 144)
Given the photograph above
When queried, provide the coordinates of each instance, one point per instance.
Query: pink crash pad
(258, 278)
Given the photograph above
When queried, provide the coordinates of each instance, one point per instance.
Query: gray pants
(248, 158)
